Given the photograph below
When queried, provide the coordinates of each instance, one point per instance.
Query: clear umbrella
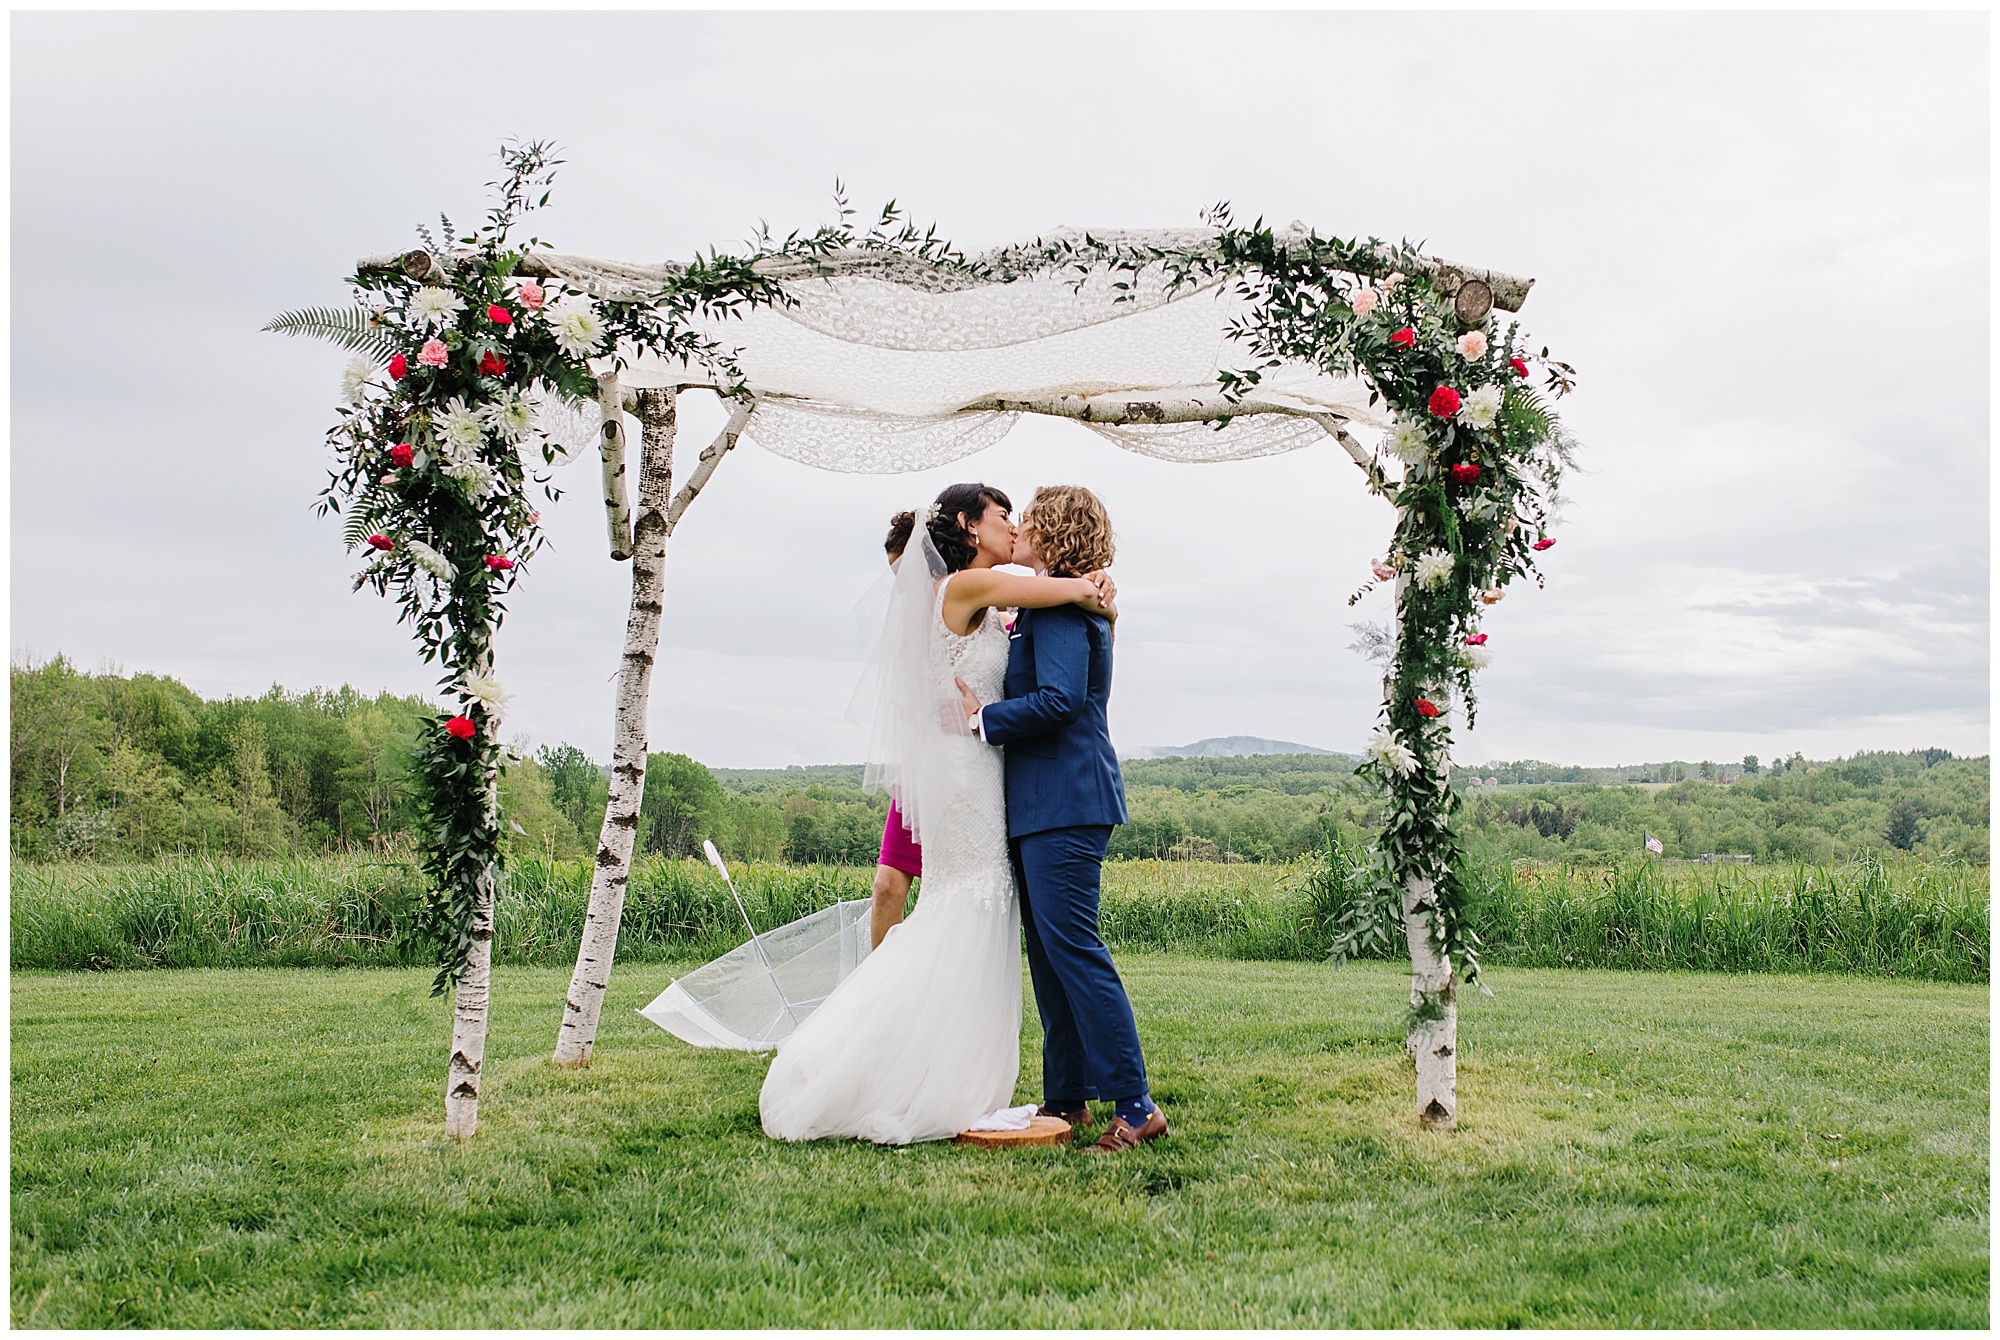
(752, 998)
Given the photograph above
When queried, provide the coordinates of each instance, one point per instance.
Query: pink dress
(899, 850)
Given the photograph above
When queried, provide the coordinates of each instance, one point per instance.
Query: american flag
(1654, 845)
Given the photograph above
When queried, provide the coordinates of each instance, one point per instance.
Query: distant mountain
(1225, 746)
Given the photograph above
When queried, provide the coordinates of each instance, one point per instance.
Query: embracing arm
(975, 589)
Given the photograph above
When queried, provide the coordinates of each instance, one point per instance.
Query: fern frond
(345, 326)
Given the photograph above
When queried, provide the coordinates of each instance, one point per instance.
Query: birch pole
(1431, 1040)
(585, 1000)
(468, 1015)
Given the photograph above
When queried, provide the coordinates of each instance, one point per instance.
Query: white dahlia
(1409, 443)
(461, 427)
(1481, 408)
(509, 418)
(487, 692)
(430, 560)
(435, 307)
(1433, 569)
(354, 380)
(1391, 752)
(578, 329)
(473, 475)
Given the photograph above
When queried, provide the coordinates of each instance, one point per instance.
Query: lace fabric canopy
(869, 375)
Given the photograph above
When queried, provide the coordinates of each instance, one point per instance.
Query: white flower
(1433, 569)
(435, 307)
(1478, 506)
(1391, 752)
(509, 418)
(579, 330)
(472, 474)
(1475, 658)
(1472, 344)
(487, 693)
(429, 559)
(354, 381)
(460, 427)
(1481, 407)
(1409, 443)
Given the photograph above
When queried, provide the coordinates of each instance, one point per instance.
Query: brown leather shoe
(1121, 1135)
(1079, 1116)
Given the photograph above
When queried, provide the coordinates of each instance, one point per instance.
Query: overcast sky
(1762, 240)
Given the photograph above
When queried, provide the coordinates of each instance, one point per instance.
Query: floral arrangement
(438, 442)
(1481, 461)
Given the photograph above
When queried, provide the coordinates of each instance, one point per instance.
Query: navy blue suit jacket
(1061, 772)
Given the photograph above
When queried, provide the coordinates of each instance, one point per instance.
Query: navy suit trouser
(1090, 1044)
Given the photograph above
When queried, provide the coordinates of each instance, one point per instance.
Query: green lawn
(207, 1148)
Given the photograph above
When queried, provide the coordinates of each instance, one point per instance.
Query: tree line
(112, 766)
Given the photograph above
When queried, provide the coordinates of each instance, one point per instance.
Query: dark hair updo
(901, 527)
(951, 536)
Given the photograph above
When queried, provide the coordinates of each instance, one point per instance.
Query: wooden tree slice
(1472, 302)
(1040, 1131)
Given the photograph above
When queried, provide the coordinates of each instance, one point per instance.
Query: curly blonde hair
(1071, 529)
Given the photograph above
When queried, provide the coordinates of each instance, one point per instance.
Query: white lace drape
(865, 375)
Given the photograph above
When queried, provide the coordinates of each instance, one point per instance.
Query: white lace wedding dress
(923, 1038)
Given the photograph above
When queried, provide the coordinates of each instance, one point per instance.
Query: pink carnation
(532, 296)
(1383, 572)
(1472, 344)
(1364, 301)
(433, 354)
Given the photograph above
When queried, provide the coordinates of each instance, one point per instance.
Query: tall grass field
(1909, 918)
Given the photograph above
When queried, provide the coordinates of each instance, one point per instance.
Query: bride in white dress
(923, 1038)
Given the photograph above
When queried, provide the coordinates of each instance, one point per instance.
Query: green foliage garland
(433, 468)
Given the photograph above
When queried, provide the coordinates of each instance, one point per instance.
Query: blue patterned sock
(1134, 1110)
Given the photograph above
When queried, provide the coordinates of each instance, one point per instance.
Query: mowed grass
(208, 1148)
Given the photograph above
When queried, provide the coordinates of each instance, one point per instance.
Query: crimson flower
(499, 315)
(1475, 640)
(498, 562)
(402, 453)
(1465, 473)
(382, 542)
(1544, 543)
(461, 728)
(1425, 707)
(492, 364)
(1403, 338)
(399, 367)
(1444, 402)
(1519, 366)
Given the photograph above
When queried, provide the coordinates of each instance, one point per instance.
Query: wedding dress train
(922, 1039)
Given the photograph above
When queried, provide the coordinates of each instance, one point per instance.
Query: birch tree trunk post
(611, 448)
(1431, 1040)
(468, 1015)
(585, 1000)
(1433, 1037)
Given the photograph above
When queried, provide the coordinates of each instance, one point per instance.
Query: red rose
(1520, 368)
(498, 563)
(491, 364)
(402, 453)
(1426, 707)
(1403, 338)
(1464, 474)
(462, 728)
(1444, 402)
(382, 542)
(1544, 543)
(1476, 640)
(399, 367)
(499, 315)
